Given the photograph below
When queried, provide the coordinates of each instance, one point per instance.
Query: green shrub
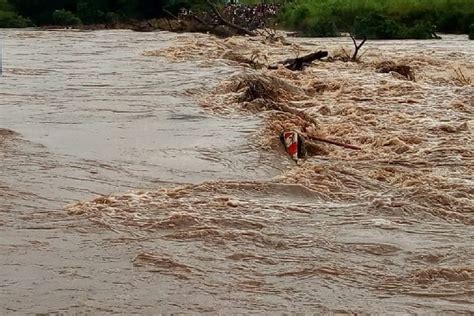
(13, 20)
(449, 22)
(321, 28)
(303, 18)
(382, 18)
(65, 18)
(299, 15)
(112, 17)
(90, 13)
(471, 32)
(375, 26)
(421, 30)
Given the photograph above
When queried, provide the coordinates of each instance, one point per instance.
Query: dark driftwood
(300, 62)
(238, 28)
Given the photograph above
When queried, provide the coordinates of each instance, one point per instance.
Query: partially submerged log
(300, 62)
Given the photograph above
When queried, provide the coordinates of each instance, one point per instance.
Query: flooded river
(134, 179)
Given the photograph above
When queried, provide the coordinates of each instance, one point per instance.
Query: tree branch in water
(357, 46)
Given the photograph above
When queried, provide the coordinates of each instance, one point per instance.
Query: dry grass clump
(460, 78)
(251, 87)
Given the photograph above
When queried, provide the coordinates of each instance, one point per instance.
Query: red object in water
(291, 143)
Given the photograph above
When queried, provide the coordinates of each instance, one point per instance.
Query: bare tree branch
(228, 23)
(357, 46)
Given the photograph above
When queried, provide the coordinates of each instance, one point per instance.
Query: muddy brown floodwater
(137, 177)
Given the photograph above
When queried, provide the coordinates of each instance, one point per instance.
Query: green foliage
(323, 27)
(374, 26)
(253, 2)
(63, 17)
(41, 11)
(12, 20)
(196, 5)
(90, 11)
(381, 18)
(303, 18)
(175, 5)
(5, 6)
(112, 17)
(421, 30)
(378, 18)
(471, 32)
(150, 8)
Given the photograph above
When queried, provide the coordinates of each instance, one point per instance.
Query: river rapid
(137, 177)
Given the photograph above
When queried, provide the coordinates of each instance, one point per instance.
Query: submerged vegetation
(394, 19)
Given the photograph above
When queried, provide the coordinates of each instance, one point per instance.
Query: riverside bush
(381, 18)
(13, 20)
(64, 18)
(376, 26)
(8, 18)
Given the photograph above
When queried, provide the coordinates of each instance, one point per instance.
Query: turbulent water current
(141, 174)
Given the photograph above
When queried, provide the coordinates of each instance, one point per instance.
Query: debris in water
(294, 144)
(390, 67)
(7, 133)
(300, 63)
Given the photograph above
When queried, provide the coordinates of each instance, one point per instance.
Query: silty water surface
(93, 115)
